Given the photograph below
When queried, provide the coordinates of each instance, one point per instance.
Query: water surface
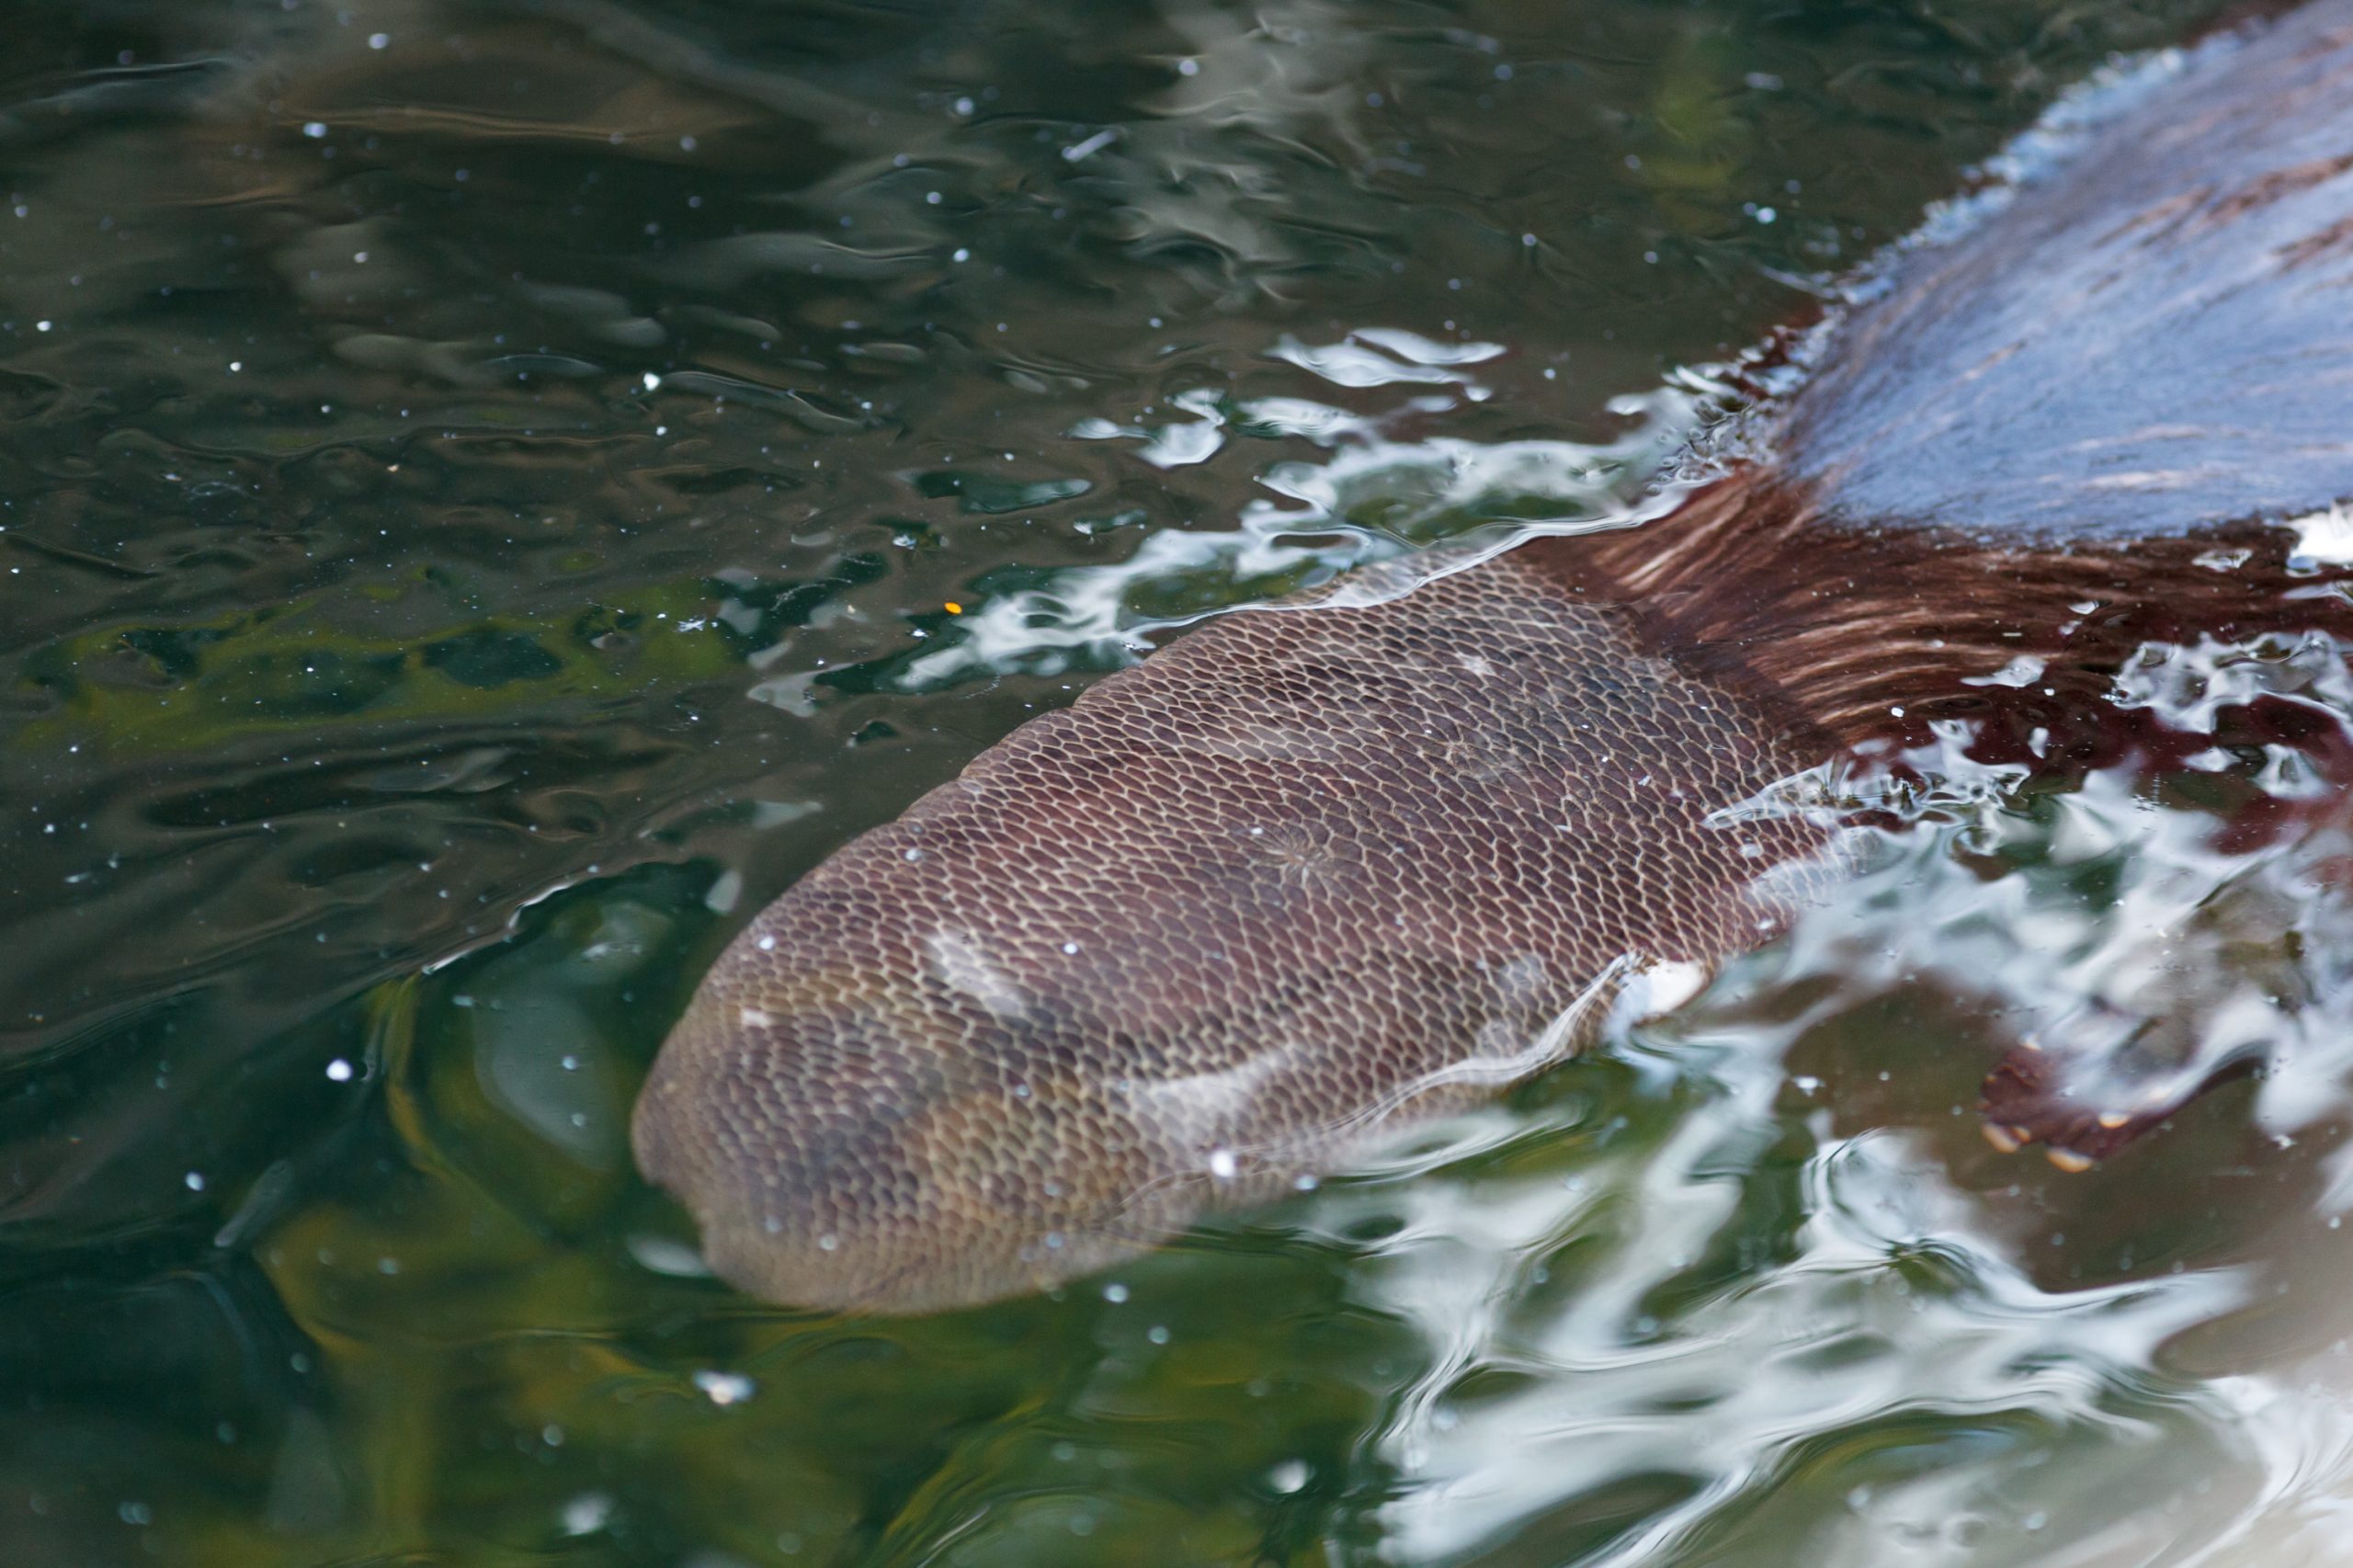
(493, 490)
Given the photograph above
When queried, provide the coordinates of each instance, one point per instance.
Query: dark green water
(493, 490)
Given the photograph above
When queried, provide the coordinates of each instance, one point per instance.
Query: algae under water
(493, 490)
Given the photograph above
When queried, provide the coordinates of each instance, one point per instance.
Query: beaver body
(1313, 868)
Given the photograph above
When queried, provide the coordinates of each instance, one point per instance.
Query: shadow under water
(491, 491)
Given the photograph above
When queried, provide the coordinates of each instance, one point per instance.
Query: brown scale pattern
(1180, 944)
(1313, 868)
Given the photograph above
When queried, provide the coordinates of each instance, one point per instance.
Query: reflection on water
(491, 490)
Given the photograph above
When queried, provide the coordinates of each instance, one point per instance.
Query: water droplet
(723, 1387)
(586, 1514)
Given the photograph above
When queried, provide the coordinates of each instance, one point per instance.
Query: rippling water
(492, 490)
